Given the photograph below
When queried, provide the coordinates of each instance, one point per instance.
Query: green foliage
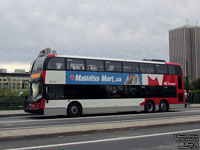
(13, 98)
(12, 95)
(196, 85)
(7, 92)
(10, 99)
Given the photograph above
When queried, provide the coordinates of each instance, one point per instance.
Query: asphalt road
(23, 122)
(155, 138)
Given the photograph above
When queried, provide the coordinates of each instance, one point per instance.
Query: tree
(196, 84)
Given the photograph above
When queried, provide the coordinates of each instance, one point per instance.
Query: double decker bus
(71, 85)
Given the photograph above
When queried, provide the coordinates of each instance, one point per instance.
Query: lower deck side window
(54, 91)
(107, 91)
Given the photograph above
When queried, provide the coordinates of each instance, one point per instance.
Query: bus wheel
(149, 107)
(74, 110)
(164, 106)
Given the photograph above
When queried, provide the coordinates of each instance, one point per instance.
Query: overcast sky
(128, 29)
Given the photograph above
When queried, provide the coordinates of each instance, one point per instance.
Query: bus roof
(172, 64)
(109, 59)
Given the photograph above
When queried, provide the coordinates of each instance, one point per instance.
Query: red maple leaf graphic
(72, 77)
(153, 82)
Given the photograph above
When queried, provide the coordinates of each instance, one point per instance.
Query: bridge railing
(12, 102)
(195, 99)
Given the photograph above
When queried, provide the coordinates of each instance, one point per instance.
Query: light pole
(187, 82)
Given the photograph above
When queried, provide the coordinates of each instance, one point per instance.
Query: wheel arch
(164, 100)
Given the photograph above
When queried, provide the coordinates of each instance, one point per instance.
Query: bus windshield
(36, 90)
(38, 65)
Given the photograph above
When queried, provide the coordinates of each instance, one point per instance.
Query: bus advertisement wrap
(103, 78)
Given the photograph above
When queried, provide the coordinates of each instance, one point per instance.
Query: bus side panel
(167, 80)
(55, 77)
(55, 107)
(111, 105)
(91, 106)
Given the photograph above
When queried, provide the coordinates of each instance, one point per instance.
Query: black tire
(164, 106)
(74, 110)
(149, 107)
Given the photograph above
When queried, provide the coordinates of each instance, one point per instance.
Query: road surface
(154, 138)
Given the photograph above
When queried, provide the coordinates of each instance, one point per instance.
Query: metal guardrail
(11, 105)
(195, 101)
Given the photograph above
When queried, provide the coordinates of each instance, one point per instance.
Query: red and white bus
(71, 85)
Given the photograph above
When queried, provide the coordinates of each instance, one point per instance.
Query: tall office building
(184, 48)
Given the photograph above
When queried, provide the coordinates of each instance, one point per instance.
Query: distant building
(3, 70)
(19, 71)
(184, 48)
(15, 81)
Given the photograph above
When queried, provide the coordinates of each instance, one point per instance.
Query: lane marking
(104, 140)
(98, 117)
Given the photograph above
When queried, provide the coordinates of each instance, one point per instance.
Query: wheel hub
(74, 110)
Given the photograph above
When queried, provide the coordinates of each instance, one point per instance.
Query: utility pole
(187, 82)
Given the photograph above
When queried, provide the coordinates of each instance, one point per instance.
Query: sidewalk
(5, 113)
(9, 113)
(193, 105)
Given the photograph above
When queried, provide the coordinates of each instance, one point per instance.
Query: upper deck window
(56, 63)
(75, 64)
(147, 68)
(174, 69)
(113, 66)
(130, 67)
(178, 70)
(171, 69)
(94, 65)
(161, 69)
(38, 64)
